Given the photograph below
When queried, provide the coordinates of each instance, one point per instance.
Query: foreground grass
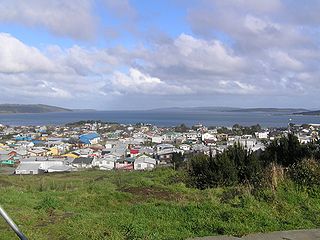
(147, 205)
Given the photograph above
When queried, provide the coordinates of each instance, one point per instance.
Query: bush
(286, 151)
(48, 203)
(233, 166)
(306, 173)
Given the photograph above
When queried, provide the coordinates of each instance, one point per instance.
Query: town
(106, 146)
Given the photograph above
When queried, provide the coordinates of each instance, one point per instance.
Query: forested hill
(317, 112)
(30, 108)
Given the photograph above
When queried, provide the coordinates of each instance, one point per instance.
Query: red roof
(134, 151)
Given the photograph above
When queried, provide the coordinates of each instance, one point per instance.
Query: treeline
(82, 122)
(241, 130)
(236, 165)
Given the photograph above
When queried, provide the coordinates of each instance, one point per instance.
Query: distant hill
(271, 110)
(317, 112)
(30, 108)
(230, 109)
(194, 109)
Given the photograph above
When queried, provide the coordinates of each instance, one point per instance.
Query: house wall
(25, 172)
(125, 165)
(143, 166)
(105, 164)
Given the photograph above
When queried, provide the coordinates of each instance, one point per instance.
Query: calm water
(159, 118)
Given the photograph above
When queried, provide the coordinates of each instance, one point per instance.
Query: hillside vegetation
(30, 108)
(148, 205)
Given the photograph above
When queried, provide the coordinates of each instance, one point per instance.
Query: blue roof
(37, 142)
(23, 138)
(85, 138)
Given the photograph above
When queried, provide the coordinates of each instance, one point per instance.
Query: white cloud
(258, 26)
(138, 82)
(73, 19)
(17, 57)
(194, 55)
(121, 8)
(282, 61)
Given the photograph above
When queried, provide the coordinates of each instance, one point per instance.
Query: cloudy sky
(142, 54)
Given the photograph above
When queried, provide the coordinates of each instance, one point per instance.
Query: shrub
(306, 173)
(48, 203)
(233, 166)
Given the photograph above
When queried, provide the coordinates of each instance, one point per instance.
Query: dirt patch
(53, 218)
(144, 193)
(99, 178)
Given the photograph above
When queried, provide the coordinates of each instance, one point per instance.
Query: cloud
(201, 65)
(189, 54)
(121, 9)
(282, 61)
(275, 40)
(73, 19)
(54, 73)
(140, 83)
(16, 57)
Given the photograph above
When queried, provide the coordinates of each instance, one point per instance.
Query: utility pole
(13, 226)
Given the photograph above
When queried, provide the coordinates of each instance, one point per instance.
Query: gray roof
(24, 166)
(145, 159)
(82, 160)
(60, 168)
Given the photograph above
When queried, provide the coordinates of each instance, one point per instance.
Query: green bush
(235, 165)
(306, 172)
(48, 203)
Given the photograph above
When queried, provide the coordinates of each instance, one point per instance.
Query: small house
(144, 162)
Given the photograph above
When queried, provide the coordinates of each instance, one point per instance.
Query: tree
(177, 160)
(286, 151)
(235, 165)
(181, 128)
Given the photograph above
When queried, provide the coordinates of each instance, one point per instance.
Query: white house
(208, 136)
(28, 168)
(262, 135)
(59, 168)
(144, 163)
(106, 163)
(83, 162)
(157, 139)
(303, 139)
(36, 165)
(185, 147)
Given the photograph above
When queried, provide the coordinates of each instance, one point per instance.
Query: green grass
(147, 205)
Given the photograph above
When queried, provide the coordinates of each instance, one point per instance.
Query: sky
(142, 54)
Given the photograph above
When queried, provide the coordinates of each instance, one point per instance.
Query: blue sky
(140, 54)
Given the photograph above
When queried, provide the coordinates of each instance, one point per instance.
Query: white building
(262, 135)
(185, 147)
(157, 139)
(106, 163)
(208, 136)
(144, 163)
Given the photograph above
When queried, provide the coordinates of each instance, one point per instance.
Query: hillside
(270, 110)
(317, 112)
(230, 109)
(147, 205)
(30, 108)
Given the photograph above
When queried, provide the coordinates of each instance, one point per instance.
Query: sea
(162, 118)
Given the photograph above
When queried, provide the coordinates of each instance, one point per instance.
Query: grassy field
(147, 205)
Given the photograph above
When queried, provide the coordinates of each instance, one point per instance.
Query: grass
(147, 205)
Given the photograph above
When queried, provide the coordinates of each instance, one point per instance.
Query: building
(90, 138)
(144, 162)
